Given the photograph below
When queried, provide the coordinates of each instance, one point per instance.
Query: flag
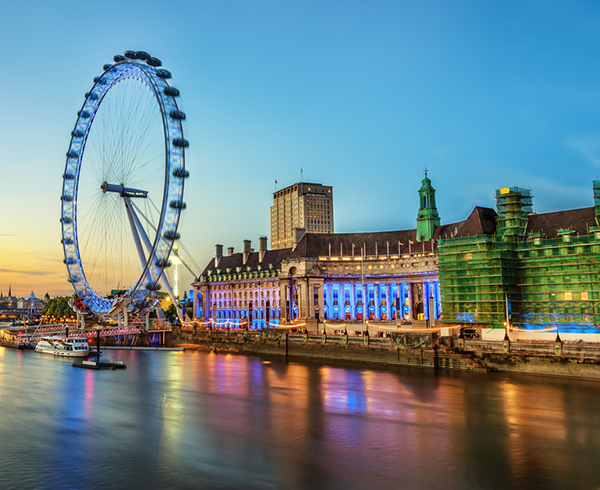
(411, 242)
(276, 181)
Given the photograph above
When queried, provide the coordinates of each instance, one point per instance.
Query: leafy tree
(58, 307)
(171, 313)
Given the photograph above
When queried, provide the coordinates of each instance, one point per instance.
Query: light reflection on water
(200, 420)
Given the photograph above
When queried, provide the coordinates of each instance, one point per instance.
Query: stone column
(329, 300)
(304, 306)
(311, 298)
(377, 314)
(300, 303)
(410, 301)
(321, 301)
(195, 303)
(283, 300)
(389, 301)
(206, 302)
(353, 301)
(310, 307)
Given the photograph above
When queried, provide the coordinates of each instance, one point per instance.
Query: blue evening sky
(361, 94)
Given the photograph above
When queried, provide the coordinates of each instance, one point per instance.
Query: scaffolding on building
(597, 200)
(543, 282)
(514, 205)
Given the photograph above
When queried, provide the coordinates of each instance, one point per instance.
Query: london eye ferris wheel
(123, 183)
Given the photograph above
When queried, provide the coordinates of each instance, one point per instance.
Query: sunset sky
(361, 95)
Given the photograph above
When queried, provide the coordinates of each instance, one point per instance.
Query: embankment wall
(423, 350)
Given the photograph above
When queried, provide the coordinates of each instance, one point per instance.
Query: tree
(58, 307)
(171, 313)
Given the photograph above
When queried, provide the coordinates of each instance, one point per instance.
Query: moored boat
(64, 347)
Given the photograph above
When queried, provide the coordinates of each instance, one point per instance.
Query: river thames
(190, 419)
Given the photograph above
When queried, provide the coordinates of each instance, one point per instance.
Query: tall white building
(300, 208)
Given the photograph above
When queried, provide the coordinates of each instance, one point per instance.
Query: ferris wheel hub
(122, 190)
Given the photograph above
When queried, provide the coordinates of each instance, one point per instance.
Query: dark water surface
(199, 420)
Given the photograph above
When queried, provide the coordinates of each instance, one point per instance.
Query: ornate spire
(428, 217)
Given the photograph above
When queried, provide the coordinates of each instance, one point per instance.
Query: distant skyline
(361, 95)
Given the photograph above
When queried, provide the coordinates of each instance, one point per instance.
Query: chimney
(218, 254)
(230, 251)
(247, 250)
(262, 248)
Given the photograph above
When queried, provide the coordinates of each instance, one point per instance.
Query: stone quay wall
(577, 360)
(423, 350)
(418, 350)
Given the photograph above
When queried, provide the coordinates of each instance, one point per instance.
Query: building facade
(532, 272)
(299, 208)
(387, 278)
(240, 289)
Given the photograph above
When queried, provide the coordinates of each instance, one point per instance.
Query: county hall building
(312, 274)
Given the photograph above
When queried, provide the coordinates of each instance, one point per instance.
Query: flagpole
(364, 293)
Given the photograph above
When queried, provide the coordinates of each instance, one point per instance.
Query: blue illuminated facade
(386, 298)
(389, 288)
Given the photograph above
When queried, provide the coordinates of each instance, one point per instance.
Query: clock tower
(428, 217)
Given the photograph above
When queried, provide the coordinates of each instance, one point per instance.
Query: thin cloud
(27, 273)
(586, 147)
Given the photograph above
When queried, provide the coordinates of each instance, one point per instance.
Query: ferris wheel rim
(148, 71)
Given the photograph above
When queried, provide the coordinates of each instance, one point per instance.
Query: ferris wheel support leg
(136, 237)
(135, 222)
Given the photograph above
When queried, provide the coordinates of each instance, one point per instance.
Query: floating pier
(106, 364)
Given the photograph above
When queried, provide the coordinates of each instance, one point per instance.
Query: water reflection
(191, 420)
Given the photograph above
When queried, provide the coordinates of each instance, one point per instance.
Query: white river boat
(65, 347)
